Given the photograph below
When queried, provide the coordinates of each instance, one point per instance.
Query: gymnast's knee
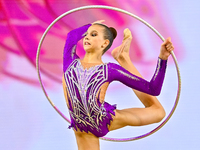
(160, 114)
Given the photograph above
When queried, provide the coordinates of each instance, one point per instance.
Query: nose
(86, 37)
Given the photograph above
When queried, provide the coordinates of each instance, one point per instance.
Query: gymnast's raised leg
(153, 111)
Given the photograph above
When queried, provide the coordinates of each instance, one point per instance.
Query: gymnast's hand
(166, 49)
(98, 21)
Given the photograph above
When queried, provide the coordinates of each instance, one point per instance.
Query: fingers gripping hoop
(141, 20)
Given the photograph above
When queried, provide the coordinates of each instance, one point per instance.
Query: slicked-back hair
(110, 34)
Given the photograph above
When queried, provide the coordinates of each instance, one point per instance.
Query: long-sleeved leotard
(83, 86)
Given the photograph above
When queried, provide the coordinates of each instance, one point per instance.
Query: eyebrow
(94, 31)
(91, 31)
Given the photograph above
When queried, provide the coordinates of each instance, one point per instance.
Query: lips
(87, 43)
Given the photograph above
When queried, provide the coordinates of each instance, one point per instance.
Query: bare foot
(122, 50)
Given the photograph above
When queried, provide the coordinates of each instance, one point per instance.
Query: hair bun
(114, 32)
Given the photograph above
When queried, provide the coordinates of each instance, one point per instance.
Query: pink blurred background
(27, 121)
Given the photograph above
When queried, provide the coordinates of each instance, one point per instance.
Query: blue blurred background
(27, 120)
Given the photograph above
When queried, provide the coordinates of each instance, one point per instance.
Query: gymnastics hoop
(141, 20)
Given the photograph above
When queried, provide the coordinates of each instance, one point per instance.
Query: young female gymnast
(85, 82)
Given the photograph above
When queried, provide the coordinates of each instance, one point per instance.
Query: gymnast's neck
(91, 57)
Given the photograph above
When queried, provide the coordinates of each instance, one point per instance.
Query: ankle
(123, 58)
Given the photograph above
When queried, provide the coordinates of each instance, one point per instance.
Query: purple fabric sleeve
(153, 87)
(73, 37)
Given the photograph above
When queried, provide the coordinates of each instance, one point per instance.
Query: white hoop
(141, 20)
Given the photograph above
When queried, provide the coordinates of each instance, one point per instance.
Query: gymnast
(85, 83)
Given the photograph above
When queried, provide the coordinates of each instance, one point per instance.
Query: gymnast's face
(94, 41)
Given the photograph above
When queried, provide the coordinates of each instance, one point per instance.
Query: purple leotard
(87, 113)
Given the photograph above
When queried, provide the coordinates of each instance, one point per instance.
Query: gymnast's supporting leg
(86, 141)
(153, 111)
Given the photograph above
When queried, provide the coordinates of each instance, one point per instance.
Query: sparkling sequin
(92, 79)
(128, 75)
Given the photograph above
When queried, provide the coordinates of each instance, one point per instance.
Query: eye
(85, 34)
(94, 34)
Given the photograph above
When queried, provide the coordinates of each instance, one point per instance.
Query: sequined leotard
(83, 86)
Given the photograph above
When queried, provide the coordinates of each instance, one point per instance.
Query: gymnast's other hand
(166, 49)
(99, 22)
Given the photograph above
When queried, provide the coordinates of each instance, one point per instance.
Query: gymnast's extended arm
(153, 87)
(69, 53)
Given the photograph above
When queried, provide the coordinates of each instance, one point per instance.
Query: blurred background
(28, 121)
